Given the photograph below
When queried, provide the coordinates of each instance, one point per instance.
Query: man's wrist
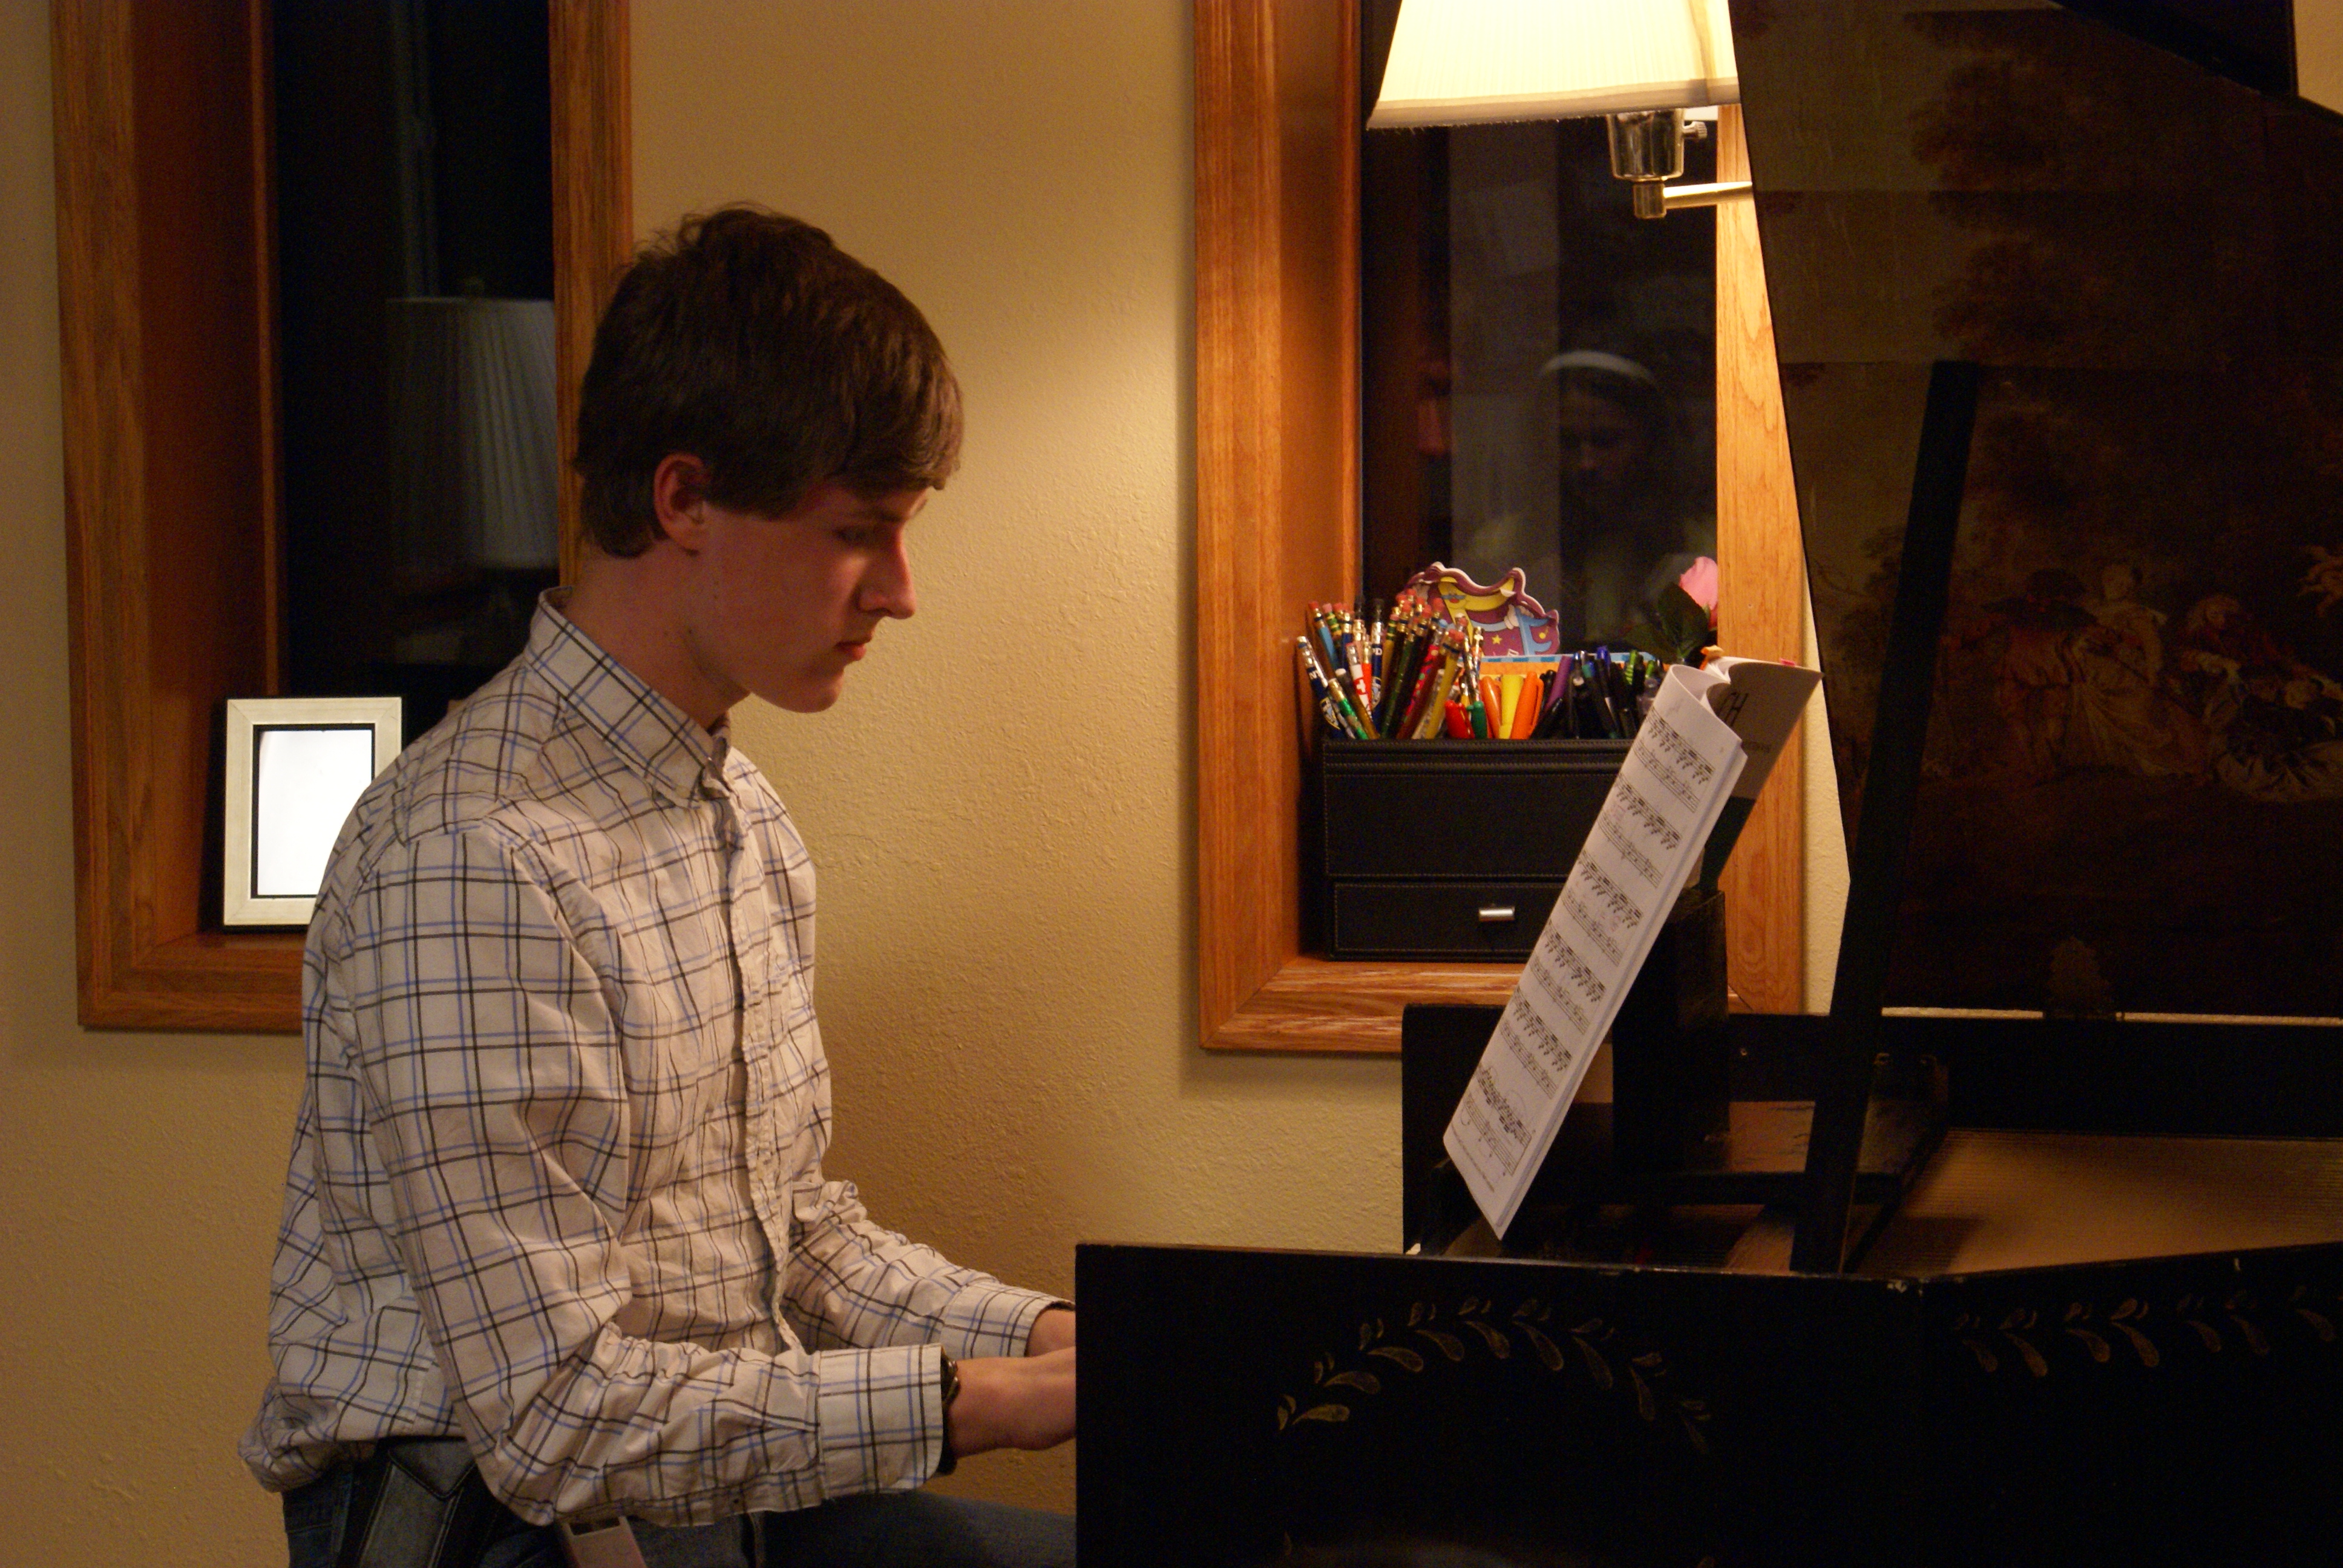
(1053, 1329)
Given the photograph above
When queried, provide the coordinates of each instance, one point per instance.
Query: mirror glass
(415, 260)
(1538, 383)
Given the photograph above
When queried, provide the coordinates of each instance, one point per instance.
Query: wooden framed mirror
(1277, 460)
(171, 427)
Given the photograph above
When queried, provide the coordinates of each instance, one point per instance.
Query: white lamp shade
(1471, 62)
(473, 426)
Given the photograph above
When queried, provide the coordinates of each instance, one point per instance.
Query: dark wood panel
(2149, 1411)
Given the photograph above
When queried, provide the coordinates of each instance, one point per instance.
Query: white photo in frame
(294, 767)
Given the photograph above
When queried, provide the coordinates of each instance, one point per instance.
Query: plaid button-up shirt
(556, 1184)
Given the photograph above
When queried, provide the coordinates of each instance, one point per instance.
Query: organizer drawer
(1403, 919)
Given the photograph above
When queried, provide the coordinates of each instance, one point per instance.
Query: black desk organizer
(1451, 848)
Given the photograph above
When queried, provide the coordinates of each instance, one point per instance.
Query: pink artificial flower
(1699, 580)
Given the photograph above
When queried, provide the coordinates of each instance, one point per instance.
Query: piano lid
(2133, 798)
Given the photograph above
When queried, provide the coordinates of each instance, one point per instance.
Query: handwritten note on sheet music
(1669, 792)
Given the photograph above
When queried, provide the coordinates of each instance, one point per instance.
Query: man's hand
(1010, 1402)
(1053, 1330)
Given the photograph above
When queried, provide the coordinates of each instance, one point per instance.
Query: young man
(556, 1187)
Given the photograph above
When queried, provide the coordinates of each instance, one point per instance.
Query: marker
(1509, 702)
(1525, 707)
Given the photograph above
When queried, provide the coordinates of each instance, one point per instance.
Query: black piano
(2031, 1253)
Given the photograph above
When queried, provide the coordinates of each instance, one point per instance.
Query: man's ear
(679, 485)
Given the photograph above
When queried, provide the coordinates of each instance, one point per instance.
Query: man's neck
(626, 606)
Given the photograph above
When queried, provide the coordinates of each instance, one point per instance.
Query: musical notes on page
(1675, 780)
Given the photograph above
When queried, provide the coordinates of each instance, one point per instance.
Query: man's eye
(856, 538)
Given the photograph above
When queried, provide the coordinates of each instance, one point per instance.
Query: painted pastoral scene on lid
(2132, 792)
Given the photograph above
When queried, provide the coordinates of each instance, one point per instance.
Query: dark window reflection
(1538, 367)
(414, 211)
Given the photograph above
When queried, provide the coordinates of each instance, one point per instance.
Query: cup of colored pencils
(1417, 674)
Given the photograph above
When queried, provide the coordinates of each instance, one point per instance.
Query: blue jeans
(889, 1530)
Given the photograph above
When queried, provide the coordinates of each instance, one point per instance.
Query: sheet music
(1761, 699)
(1677, 776)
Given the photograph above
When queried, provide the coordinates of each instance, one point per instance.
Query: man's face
(780, 607)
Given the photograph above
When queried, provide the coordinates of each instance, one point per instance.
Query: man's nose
(886, 587)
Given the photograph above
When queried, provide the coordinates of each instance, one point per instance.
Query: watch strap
(945, 1465)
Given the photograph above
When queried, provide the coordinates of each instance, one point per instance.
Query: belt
(420, 1502)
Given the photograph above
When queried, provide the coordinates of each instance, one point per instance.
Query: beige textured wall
(2319, 51)
(1000, 808)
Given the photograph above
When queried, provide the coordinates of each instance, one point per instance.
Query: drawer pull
(1496, 914)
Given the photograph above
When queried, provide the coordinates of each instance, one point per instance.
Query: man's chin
(811, 697)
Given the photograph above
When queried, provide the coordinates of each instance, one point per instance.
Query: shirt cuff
(881, 1415)
(992, 1319)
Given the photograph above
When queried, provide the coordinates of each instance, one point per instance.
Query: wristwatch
(952, 1392)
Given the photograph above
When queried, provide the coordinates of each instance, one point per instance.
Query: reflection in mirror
(1538, 367)
(414, 205)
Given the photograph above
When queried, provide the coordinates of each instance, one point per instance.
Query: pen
(1355, 653)
(1412, 717)
(1331, 693)
(1431, 689)
(1406, 670)
(1553, 686)
(1393, 650)
(1437, 697)
(1346, 655)
(1319, 619)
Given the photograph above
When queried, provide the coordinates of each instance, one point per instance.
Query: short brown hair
(751, 342)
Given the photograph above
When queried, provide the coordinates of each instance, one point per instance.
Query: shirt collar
(665, 744)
